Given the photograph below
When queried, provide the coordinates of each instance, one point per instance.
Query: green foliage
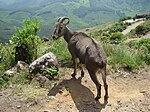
(122, 56)
(117, 37)
(6, 57)
(144, 46)
(143, 28)
(112, 34)
(125, 18)
(59, 48)
(51, 71)
(26, 40)
(118, 27)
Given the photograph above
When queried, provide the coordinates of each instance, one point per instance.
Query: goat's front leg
(75, 61)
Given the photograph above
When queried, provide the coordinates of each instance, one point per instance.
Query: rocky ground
(128, 92)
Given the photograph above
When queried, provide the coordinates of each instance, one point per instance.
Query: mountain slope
(83, 13)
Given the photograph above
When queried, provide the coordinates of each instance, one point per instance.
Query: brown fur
(88, 52)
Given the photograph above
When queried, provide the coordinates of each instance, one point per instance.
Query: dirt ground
(128, 92)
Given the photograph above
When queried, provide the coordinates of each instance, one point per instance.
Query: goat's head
(60, 27)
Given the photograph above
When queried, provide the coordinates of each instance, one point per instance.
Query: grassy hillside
(83, 13)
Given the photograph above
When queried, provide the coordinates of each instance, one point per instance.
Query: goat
(85, 49)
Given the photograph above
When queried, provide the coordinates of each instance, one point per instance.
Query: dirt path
(127, 93)
(133, 26)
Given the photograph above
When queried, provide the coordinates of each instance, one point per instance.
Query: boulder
(46, 61)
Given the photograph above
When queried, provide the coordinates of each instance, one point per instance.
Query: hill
(83, 13)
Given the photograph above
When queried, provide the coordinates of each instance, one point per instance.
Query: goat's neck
(68, 34)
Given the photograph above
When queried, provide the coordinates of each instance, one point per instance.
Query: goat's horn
(59, 19)
(63, 18)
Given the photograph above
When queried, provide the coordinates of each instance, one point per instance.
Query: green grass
(123, 56)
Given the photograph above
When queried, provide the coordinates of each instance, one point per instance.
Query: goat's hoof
(97, 98)
(106, 97)
(73, 75)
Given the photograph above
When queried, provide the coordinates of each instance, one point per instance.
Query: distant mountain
(83, 13)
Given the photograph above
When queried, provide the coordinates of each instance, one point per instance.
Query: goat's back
(86, 49)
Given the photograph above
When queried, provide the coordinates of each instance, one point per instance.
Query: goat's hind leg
(105, 83)
(82, 71)
(75, 61)
(97, 83)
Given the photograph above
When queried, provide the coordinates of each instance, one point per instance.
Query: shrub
(143, 28)
(117, 37)
(25, 41)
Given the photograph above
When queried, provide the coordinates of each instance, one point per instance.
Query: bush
(117, 37)
(25, 41)
(118, 27)
(143, 28)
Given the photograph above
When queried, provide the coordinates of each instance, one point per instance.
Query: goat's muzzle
(54, 37)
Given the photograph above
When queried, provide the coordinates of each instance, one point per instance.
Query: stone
(143, 91)
(10, 72)
(22, 65)
(109, 104)
(46, 61)
(18, 106)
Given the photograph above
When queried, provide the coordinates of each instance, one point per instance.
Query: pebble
(52, 97)
(119, 102)
(46, 111)
(143, 91)
(57, 109)
(71, 106)
(60, 91)
(18, 106)
(109, 104)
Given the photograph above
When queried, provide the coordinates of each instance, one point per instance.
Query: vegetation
(140, 30)
(25, 41)
(143, 28)
(112, 34)
(83, 13)
(121, 54)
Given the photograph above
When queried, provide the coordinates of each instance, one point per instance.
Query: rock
(43, 81)
(60, 91)
(10, 72)
(143, 91)
(119, 102)
(126, 75)
(52, 97)
(57, 109)
(22, 65)
(71, 106)
(18, 106)
(46, 111)
(109, 104)
(85, 80)
(46, 61)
